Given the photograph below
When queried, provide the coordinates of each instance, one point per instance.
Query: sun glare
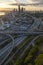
(3, 5)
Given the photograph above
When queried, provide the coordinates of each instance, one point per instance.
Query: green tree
(39, 60)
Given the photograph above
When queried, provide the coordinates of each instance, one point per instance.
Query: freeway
(21, 32)
(22, 29)
(7, 49)
(36, 39)
(24, 48)
(31, 43)
(4, 53)
(18, 51)
(3, 38)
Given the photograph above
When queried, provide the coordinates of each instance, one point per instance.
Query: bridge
(21, 30)
(24, 29)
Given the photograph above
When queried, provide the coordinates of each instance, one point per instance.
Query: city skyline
(6, 4)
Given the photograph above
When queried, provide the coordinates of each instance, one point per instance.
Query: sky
(4, 3)
(21, 1)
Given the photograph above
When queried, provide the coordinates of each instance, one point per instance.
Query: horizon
(6, 4)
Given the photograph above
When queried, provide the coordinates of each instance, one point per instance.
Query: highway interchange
(23, 28)
(6, 50)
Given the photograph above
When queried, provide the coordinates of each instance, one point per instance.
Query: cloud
(41, 1)
(21, 1)
(7, 1)
(36, 1)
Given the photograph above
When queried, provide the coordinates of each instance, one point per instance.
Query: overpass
(23, 30)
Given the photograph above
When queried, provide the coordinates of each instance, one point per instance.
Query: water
(2, 13)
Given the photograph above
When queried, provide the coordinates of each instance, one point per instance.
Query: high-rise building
(19, 8)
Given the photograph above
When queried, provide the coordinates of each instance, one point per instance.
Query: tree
(39, 60)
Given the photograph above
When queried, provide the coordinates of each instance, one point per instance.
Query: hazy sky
(3, 3)
(25, 1)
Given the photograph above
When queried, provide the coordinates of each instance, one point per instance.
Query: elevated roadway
(24, 30)
(4, 52)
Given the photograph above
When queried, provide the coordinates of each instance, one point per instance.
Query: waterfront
(2, 13)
